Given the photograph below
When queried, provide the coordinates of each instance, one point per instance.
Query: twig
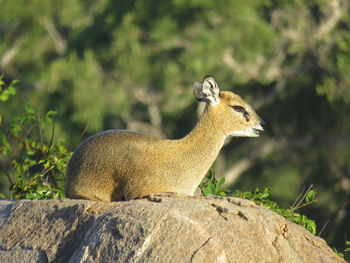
(323, 227)
(51, 139)
(306, 204)
(40, 132)
(52, 177)
(344, 205)
(301, 199)
(7, 175)
(45, 171)
(298, 198)
(27, 133)
(84, 131)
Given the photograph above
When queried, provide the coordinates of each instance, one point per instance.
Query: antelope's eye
(238, 108)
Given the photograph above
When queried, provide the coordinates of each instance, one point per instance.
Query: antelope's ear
(207, 91)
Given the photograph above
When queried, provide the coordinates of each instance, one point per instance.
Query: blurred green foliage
(345, 253)
(38, 166)
(130, 64)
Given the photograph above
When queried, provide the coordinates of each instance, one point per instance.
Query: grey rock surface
(23, 255)
(155, 229)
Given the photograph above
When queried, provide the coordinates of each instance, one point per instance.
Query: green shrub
(212, 186)
(37, 165)
(345, 253)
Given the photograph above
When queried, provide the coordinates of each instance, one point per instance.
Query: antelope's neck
(205, 140)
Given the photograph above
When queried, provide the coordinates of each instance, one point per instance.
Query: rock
(153, 229)
(23, 255)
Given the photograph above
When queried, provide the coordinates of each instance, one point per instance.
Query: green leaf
(310, 196)
(206, 191)
(338, 253)
(4, 95)
(222, 181)
(347, 244)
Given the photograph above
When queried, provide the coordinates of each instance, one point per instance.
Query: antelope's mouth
(258, 130)
(247, 132)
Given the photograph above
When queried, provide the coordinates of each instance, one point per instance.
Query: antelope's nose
(263, 124)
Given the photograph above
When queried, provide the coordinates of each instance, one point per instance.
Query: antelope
(116, 165)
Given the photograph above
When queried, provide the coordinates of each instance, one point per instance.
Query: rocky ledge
(153, 229)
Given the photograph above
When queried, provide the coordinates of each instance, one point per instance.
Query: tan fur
(120, 165)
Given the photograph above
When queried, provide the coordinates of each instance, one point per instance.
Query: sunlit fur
(234, 122)
(119, 165)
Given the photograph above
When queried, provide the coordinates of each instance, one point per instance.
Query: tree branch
(337, 8)
(236, 170)
(151, 100)
(59, 42)
(10, 54)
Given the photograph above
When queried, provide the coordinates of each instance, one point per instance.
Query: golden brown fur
(119, 165)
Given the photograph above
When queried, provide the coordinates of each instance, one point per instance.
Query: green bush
(212, 186)
(38, 165)
(346, 252)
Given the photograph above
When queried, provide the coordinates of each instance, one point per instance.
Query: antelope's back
(102, 157)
